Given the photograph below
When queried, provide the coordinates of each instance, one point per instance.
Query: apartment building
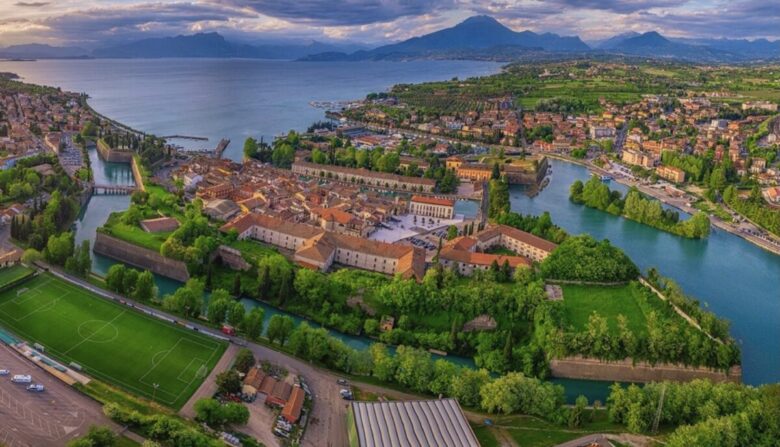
(432, 207)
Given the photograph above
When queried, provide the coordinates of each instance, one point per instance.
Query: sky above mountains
(100, 22)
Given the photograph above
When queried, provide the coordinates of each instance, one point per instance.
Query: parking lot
(52, 417)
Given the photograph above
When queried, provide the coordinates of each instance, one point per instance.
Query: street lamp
(154, 393)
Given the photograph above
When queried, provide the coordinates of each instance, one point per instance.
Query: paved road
(50, 418)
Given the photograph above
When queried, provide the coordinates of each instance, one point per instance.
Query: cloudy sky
(95, 23)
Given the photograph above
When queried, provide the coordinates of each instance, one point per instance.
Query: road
(53, 417)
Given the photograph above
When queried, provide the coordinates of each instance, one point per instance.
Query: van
(20, 378)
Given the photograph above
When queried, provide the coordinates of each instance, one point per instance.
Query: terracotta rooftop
(367, 173)
(159, 224)
(433, 200)
(292, 409)
(474, 258)
(246, 221)
(519, 235)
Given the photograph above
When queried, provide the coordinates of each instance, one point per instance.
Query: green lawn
(253, 250)
(528, 431)
(136, 235)
(13, 273)
(111, 342)
(485, 437)
(579, 302)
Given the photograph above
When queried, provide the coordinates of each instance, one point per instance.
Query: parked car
(4, 372)
(35, 388)
(343, 382)
(22, 378)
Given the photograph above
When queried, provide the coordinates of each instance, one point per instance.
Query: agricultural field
(110, 342)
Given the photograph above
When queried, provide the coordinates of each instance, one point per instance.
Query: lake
(233, 98)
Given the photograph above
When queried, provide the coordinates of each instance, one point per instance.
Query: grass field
(13, 273)
(580, 301)
(111, 342)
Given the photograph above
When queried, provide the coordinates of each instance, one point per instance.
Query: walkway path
(209, 386)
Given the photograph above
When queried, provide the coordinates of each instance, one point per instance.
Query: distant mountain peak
(481, 19)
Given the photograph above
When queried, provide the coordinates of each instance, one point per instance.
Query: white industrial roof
(421, 423)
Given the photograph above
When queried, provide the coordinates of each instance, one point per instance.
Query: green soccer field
(111, 342)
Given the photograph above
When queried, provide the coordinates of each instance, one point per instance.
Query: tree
(129, 280)
(115, 278)
(250, 148)
(31, 256)
(452, 232)
(228, 382)
(95, 437)
(145, 290)
(311, 286)
(219, 302)
(237, 284)
(235, 313)
(496, 173)
(577, 412)
(466, 386)
(498, 198)
(209, 411)
(253, 323)
(59, 248)
(279, 328)
(244, 360)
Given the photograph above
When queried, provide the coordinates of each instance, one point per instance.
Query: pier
(223, 144)
(184, 137)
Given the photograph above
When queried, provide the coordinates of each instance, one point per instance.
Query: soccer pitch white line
(188, 335)
(188, 383)
(42, 308)
(86, 339)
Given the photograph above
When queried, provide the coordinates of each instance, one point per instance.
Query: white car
(20, 378)
(4, 372)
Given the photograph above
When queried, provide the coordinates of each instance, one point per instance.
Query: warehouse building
(420, 423)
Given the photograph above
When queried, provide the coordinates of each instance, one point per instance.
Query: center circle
(98, 331)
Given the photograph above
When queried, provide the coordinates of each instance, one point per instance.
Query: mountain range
(478, 37)
(211, 45)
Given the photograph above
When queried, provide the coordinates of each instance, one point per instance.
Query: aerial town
(387, 273)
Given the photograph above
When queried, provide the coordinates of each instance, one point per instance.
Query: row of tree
(723, 414)
(635, 206)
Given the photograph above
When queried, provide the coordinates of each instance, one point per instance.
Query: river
(732, 277)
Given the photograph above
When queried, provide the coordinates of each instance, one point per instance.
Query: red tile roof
(433, 200)
(292, 409)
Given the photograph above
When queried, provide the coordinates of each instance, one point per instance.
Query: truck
(21, 378)
(35, 388)
(228, 330)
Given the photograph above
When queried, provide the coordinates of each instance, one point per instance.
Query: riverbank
(680, 203)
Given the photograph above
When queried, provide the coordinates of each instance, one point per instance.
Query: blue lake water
(237, 98)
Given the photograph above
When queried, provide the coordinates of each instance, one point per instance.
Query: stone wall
(140, 257)
(137, 175)
(626, 371)
(112, 155)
